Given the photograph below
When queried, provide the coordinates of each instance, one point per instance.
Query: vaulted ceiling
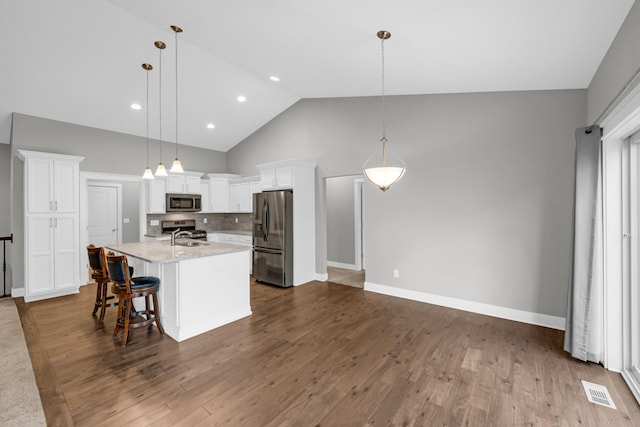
(79, 61)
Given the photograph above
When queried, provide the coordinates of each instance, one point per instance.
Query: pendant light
(177, 166)
(147, 172)
(160, 171)
(391, 167)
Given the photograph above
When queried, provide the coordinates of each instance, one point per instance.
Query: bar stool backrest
(97, 260)
(118, 268)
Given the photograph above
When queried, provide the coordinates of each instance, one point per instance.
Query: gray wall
(340, 220)
(5, 186)
(104, 151)
(484, 211)
(131, 210)
(5, 208)
(618, 66)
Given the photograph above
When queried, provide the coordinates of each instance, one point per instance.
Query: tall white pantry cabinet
(51, 209)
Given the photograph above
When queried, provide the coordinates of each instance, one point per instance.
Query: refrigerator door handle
(262, 226)
(266, 221)
(268, 251)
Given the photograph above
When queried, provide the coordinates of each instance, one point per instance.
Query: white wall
(484, 211)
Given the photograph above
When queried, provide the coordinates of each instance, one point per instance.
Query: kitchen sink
(190, 243)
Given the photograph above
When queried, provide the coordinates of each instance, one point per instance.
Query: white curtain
(584, 331)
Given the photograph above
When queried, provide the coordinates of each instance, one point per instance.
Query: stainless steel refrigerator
(273, 237)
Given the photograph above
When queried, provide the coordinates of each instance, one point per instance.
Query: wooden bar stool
(126, 288)
(98, 264)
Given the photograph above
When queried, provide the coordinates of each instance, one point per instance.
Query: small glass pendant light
(177, 166)
(160, 170)
(391, 167)
(147, 172)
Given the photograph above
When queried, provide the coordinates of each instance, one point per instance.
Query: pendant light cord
(176, 94)
(160, 99)
(147, 107)
(384, 123)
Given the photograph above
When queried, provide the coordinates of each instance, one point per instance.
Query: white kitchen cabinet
(241, 193)
(156, 196)
(219, 191)
(276, 178)
(187, 182)
(255, 186)
(215, 237)
(205, 196)
(238, 239)
(52, 186)
(51, 209)
(240, 197)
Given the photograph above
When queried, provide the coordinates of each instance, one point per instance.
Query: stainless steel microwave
(184, 202)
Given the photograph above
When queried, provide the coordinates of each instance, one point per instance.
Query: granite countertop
(162, 252)
(240, 232)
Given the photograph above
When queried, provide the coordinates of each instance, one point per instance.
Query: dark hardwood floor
(318, 354)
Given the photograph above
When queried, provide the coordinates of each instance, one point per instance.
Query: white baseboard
(17, 292)
(342, 265)
(545, 320)
(321, 277)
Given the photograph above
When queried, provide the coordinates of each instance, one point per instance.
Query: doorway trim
(97, 178)
(623, 121)
(358, 218)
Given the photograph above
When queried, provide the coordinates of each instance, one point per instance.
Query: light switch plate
(125, 220)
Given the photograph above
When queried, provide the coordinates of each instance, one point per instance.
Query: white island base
(198, 293)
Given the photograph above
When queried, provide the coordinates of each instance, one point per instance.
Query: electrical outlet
(396, 273)
(204, 220)
(236, 220)
(154, 222)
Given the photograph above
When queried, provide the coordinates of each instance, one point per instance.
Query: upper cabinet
(206, 196)
(219, 191)
(276, 177)
(53, 181)
(156, 196)
(241, 193)
(187, 182)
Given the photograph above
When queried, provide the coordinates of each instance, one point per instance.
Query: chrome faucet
(177, 233)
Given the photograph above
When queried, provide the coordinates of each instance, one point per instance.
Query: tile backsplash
(215, 221)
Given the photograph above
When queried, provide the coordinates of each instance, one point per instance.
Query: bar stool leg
(127, 320)
(156, 313)
(97, 303)
(103, 299)
(119, 316)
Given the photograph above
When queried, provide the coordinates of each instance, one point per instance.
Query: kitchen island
(202, 287)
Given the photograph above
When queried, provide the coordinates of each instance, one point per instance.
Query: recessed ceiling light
(275, 78)
(242, 98)
(210, 126)
(136, 106)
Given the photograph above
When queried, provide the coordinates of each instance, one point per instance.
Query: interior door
(103, 214)
(633, 338)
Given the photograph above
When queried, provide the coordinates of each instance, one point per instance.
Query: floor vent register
(598, 394)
